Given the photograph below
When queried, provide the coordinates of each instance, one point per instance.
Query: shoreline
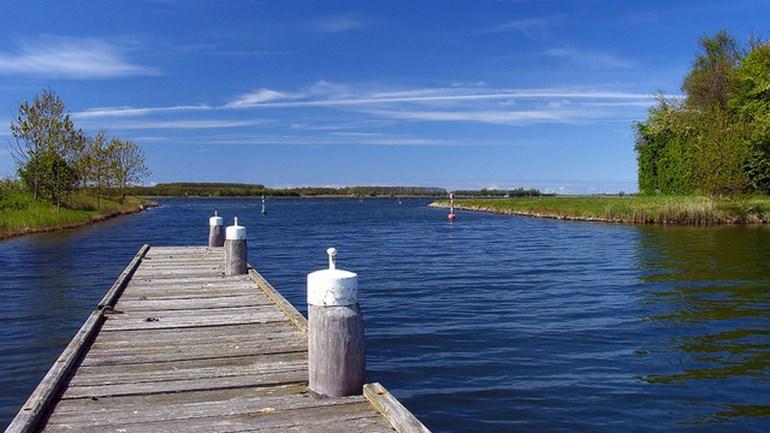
(671, 210)
(511, 212)
(14, 233)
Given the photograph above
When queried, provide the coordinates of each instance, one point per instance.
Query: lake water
(493, 324)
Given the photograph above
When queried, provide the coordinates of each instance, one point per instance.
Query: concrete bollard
(235, 249)
(336, 352)
(216, 231)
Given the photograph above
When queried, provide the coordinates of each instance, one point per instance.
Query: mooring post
(336, 352)
(235, 249)
(216, 231)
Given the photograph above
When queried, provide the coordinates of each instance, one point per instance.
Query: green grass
(20, 213)
(632, 209)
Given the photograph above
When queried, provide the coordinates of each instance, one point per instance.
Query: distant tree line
(178, 189)
(55, 158)
(716, 139)
(518, 192)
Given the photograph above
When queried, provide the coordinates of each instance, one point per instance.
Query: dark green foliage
(717, 139)
(178, 189)
(517, 192)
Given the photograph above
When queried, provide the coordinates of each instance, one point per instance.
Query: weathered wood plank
(152, 321)
(196, 352)
(273, 378)
(92, 413)
(217, 367)
(43, 397)
(338, 414)
(398, 416)
(250, 300)
(288, 309)
(163, 337)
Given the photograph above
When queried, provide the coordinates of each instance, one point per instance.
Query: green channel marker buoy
(264, 209)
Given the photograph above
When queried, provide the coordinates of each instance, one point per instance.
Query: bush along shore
(694, 210)
(21, 214)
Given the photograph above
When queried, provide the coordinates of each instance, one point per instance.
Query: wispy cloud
(381, 107)
(533, 28)
(177, 124)
(258, 97)
(330, 95)
(74, 58)
(499, 117)
(99, 112)
(336, 23)
(590, 59)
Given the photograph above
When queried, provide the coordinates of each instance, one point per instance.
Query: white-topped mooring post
(216, 231)
(336, 352)
(235, 249)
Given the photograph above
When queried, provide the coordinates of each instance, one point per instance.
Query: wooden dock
(176, 346)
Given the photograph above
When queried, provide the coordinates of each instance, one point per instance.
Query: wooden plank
(197, 352)
(270, 379)
(149, 321)
(138, 304)
(34, 410)
(399, 417)
(306, 418)
(135, 403)
(93, 413)
(239, 332)
(217, 367)
(288, 309)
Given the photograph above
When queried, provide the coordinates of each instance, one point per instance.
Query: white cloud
(342, 96)
(98, 112)
(336, 24)
(520, 117)
(533, 28)
(590, 59)
(360, 107)
(76, 58)
(177, 124)
(257, 97)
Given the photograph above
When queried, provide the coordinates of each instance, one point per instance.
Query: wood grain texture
(336, 352)
(236, 262)
(399, 417)
(288, 309)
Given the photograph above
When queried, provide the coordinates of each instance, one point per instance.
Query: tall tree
(707, 83)
(97, 164)
(46, 146)
(127, 165)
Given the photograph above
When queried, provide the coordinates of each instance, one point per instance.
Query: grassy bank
(21, 214)
(630, 209)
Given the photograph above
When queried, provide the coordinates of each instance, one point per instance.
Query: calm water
(492, 324)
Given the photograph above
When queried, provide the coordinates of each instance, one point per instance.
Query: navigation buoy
(452, 216)
(264, 209)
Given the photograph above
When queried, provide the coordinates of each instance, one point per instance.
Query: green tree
(97, 163)
(707, 83)
(750, 102)
(127, 165)
(46, 146)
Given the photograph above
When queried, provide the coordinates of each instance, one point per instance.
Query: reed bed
(693, 210)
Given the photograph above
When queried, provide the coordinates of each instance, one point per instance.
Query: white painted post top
(216, 220)
(332, 287)
(235, 232)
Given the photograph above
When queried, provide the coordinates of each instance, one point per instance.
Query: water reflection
(709, 294)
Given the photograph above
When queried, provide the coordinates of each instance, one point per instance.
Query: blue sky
(443, 93)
